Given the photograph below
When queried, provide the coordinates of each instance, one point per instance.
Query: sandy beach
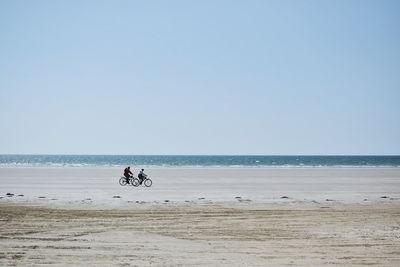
(200, 217)
(269, 130)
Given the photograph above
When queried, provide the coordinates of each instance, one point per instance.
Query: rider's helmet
(142, 169)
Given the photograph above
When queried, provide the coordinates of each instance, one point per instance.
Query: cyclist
(142, 176)
(128, 174)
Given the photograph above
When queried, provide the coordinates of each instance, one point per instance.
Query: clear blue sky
(200, 77)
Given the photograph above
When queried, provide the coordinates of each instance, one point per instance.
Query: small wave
(104, 161)
(167, 166)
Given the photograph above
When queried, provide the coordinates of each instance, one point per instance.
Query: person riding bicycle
(142, 176)
(128, 174)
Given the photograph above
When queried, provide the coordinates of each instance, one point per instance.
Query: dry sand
(202, 235)
(69, 217)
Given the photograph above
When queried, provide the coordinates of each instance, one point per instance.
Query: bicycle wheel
(122, 181)
(135, 182)
(148, 182)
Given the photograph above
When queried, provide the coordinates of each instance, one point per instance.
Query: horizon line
(196, 155)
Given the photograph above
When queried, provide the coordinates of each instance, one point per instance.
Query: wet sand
(99, 187)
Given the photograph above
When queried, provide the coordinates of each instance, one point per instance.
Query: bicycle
(124, 181)
(146, 182)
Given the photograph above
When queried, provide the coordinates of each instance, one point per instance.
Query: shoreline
(294, 167)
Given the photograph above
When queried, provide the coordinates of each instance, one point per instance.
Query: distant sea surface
(198, 161)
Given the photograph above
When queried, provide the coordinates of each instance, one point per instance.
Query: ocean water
(212, 161)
